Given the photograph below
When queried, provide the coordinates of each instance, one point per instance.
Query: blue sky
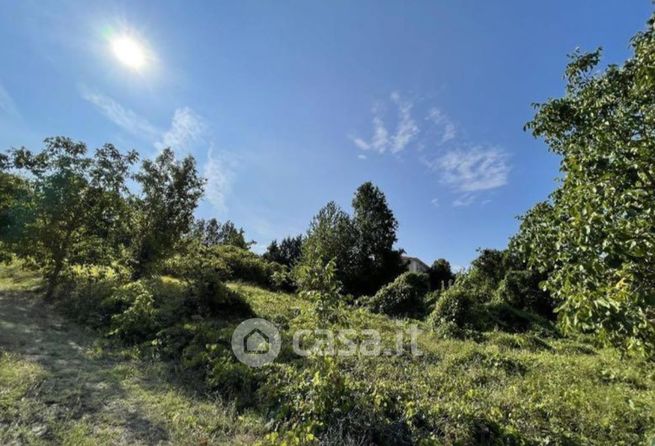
(289, 104)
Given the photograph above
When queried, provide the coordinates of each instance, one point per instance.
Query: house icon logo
(256, 342)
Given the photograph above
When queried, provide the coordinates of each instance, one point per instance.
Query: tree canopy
(602, 221)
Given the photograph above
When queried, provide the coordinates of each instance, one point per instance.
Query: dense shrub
(85, 290)
(136, 322)
(521, 289)
(441, 275)
(402, 297)
(229, 263)
(208, 295)
(455, 306)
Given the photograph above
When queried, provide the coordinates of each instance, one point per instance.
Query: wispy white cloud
(472, 170)
(464, 200)
(187, 128)
(407, 129)
(186, 131)
(7, 104)
(382, 140)
(361, 156)
(219, 171)
(435, 202)
(445, 128)
(123, 117)
(466, 168)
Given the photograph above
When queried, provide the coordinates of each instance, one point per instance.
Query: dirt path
(55, 388)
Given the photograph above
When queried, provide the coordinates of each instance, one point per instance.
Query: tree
(375, 228)
(440, 274)
(212, 233)
(330, 237)
(602, 219)
(74, 208)
(207, 232)
(318, 281)
(230, 235)
(288, 252)
(170, 194)
(490, 265)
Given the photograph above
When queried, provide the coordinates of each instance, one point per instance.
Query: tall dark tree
(230, 235)
(375, 228)
(207, 232)
(170, 194)
(74, 208)
(491, 265)
(441, 275)
(287, 252)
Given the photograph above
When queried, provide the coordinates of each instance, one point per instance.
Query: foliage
(318, 282)
(490, 266)
(229, 263)
(501, 388)
(86, 292)
(441, 275)
(170, 194)
(330, 237)
(74, 210)
(405, 296)
(231, 236)
(455, 306)
(521, 289)
(287, 252)
(602, 221)
(136, 322)
(207, 293)
(374, 224)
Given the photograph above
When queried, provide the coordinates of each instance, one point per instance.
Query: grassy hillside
(64, 384)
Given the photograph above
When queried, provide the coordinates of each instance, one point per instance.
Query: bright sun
(129, 52)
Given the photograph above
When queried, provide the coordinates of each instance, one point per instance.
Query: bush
(405, 296)
(208, 295)
(85, 291)
(456, 306)
(229, 263)
(521, 290)
(137, 322)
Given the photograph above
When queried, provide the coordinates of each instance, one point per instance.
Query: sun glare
(129, 52)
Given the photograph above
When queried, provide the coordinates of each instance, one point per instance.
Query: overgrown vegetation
(549, 341)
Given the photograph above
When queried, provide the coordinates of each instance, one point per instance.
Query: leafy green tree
(440, 274)
(330, 237)
(534, 245)
(318, 281)
(287, 252)
(375, 229)
(603, 222)
(74, 208)
(230, 235)
(14, 202)
(170, 194)
(207, 232)
(211, 233)
(490, 265)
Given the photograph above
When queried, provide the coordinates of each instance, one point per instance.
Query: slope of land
(62, 384)
(58, 386)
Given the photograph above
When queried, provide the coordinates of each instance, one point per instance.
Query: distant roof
(416, 259)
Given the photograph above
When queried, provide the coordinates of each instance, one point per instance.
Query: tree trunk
(53, 280)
